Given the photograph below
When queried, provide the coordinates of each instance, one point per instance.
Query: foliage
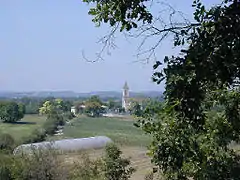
(93, 106)
(68, 116)
(116, 167)
(48, 164)
(11, 111)
(38, 135)
(31, 104)
(49, 127)
(87, 169)
(126, 14)
(111, 166)
(55, 106)
(41, 165)
(188, 143)
(5, 170)
(136, 109)
(52, 123)
(114, 105)
(6, 142)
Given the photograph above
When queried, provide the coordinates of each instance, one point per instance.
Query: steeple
(125, 87)
(125, 97)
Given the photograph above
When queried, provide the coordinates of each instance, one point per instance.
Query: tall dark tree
(11, 111)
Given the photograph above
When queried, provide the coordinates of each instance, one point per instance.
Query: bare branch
(108, 44)
(167, 22)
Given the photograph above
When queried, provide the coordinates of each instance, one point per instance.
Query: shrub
(68, 116)
(116, 167)
(6, 142)
(41, 165)
(5, 167)
(87, 169)
(50, 126)
(36, 136)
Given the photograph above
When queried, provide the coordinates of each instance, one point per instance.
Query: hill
(71, 94)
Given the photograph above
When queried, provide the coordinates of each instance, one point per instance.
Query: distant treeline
(32, 104)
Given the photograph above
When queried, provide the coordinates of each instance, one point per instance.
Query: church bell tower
(125, 97)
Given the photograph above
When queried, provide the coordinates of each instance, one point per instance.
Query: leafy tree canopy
(55, 106)
(11, 111)
(93, 106)
(121, 13)
(187, 142)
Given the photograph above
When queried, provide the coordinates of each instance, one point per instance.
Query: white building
(125, 97)
(73, 110)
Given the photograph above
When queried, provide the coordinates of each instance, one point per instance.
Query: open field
(24, 127)
(132, 141)
(120, 130)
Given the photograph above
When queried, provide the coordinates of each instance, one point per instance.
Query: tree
(93, 106)
(56, 106)
(137, 19)
(116, 167)
(114, 105)
(187, 142)
(136, 109)
(22, 110)
(11, 111)
(31, 104)
(47, 108)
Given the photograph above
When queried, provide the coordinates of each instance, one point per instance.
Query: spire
(125, 86)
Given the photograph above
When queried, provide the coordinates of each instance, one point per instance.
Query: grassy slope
(121, 131)
(24, 127)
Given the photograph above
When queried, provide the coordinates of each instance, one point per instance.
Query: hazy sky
(41, 43)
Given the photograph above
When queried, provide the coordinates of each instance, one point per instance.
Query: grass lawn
(22, 128)
(121, 131)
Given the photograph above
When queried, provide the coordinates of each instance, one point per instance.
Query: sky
(42, 44)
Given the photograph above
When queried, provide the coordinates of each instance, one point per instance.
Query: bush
(52, 123)
(36, 136)
(116, 167)
(41, 165)
(87, 169)
(50, 126)
(68, 116)
(5, 167)
(6, 142)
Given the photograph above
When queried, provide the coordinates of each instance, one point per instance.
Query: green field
(24, 127)
(121, 131)
(132, 140)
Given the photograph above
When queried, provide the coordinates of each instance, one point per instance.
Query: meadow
(22, 128)
(121, 130)
(131, 140)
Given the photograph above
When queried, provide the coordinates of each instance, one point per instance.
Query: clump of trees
(57, 112)
(115, 106)
(11, 112)
(93, 107)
